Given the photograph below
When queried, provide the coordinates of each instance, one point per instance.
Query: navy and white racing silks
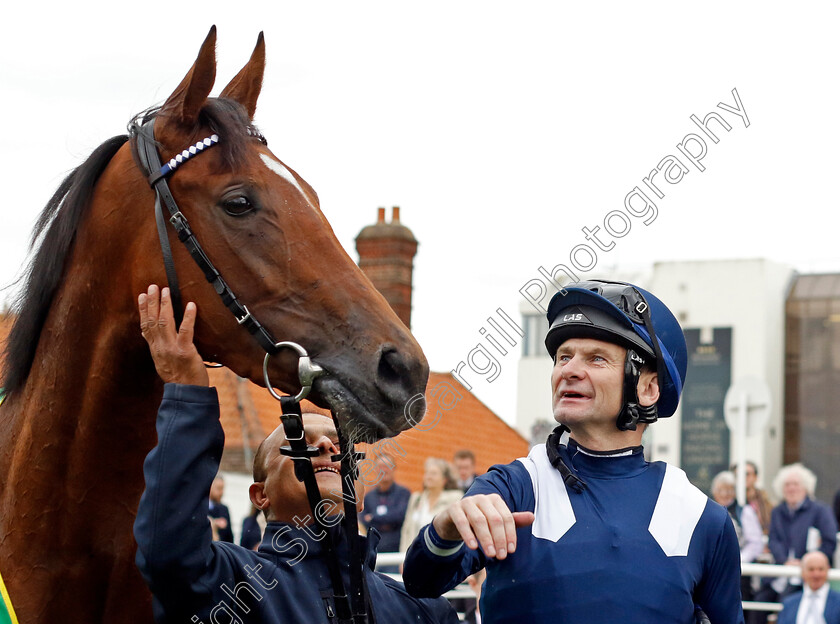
(638, 545)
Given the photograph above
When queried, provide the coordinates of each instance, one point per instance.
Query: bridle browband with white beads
(141, 131)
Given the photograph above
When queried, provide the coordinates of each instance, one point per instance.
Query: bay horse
(81, 388)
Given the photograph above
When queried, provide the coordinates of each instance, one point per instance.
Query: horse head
(262, 227)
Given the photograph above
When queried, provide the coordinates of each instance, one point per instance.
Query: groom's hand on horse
(175, 356)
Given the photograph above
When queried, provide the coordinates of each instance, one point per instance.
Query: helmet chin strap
(560, 437)
(632, 412)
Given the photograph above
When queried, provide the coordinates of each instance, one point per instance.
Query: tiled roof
(455, 419)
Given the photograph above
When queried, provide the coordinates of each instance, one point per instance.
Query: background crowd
(783, 533)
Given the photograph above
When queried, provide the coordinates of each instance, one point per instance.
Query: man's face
(724, 494)
(433, 477)
(586, 382)
(217, 490)
(286, 495)
(386, 472)
(793, 490)
(815, 570)
(465, 468)
(750, 477)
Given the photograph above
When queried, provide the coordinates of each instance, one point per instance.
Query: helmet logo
(575, 315)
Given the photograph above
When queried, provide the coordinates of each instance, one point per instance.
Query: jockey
(584, 530)
(194, 579)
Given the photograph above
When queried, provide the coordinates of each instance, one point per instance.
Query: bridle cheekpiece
(141, 131)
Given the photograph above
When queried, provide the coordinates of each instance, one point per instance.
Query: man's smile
(327, 468)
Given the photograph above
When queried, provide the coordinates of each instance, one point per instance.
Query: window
(533, 344)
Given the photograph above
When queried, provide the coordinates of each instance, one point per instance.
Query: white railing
(387, 558)
(766, 569)
(747, 569)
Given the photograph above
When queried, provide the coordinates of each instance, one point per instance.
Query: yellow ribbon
(7, 613)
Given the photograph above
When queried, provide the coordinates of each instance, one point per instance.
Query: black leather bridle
(142, 133)
(352, 609)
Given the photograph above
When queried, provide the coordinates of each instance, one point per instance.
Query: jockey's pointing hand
(175, 356)
(482, 519)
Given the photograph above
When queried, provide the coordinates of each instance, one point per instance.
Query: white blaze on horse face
(280, 169)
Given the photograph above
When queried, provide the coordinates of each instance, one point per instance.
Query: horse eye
(237, 206)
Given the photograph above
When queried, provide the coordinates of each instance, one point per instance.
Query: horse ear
(246, 85)
(188, 98)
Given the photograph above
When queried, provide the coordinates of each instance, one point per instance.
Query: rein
(352, 609)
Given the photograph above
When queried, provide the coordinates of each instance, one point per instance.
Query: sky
(506, 132)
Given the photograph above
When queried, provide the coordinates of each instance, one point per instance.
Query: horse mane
(55, 231)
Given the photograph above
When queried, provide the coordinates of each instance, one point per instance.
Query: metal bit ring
(307, 371)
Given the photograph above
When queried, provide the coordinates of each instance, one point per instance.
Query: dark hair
(734, 467)
(259, 462)
(464, 454)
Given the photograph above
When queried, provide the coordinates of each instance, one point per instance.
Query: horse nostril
(401, 380)
(391, 366)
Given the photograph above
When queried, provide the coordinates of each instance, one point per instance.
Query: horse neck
(85, 421)
(85, 415)
(92, 370)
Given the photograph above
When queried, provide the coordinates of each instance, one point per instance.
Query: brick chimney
(386, 255)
